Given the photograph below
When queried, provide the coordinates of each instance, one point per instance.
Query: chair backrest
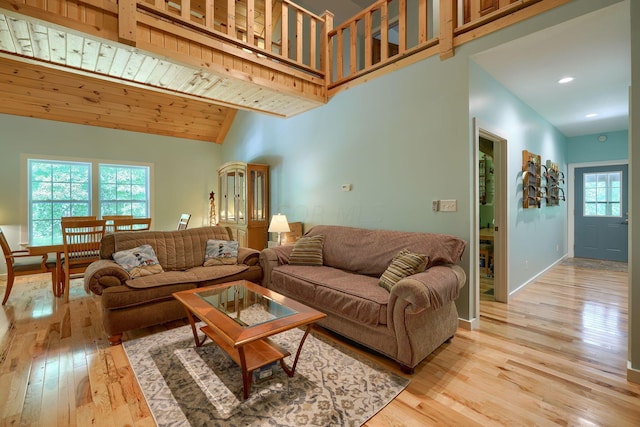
(184, 221)
(6, 249)
(81, 240)
(131, 224)
(72, 218)
(110, 218)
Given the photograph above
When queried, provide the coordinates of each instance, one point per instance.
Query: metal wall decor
(553, 193)
(531, 168)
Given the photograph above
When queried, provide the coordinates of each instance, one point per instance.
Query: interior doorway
(491, 216)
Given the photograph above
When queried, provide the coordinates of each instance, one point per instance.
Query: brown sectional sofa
(131, 303)
(406, 324)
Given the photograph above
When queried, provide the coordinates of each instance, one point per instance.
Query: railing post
(448, 17)
(325, 54)
(127, 22)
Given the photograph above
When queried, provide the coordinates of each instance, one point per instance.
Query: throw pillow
(404, 264)
(140, 261)
(221, 252)
(307, 251)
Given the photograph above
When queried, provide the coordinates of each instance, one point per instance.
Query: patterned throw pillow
(221, 252)
(307, 251)
(140, 261)
(404, 264)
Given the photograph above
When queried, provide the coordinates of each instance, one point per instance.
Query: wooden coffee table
(240, 317)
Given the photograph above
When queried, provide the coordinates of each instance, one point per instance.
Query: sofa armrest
(248, 256)
(432, 288)
(103, 274)
(270, 258)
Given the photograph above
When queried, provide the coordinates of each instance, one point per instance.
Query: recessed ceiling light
(565, 80)
(591, 115)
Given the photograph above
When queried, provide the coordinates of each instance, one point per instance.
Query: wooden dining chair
(81, 239)
(183, 222)
(67, 218)
(131, 224)
(109, 221)
(20, 263)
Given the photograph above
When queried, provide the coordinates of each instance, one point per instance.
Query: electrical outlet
(435, 205)
(448, 205)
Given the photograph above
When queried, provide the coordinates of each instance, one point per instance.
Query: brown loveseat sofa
(130, 303)
(405, 324)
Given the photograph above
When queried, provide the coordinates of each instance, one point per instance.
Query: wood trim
(226, 125)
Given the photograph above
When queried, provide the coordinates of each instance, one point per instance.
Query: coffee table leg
(192, 322)
(246, 376)
(292, 370)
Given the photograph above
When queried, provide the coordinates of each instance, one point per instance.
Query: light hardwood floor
(556, 355)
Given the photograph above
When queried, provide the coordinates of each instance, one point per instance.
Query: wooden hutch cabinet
(243, 204)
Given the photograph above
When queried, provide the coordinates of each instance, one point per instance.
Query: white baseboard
(468, 325)
(534, 278)
(633, 375)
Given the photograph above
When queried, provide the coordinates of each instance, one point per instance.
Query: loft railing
(384, 33)
(391, 30)
(278, 29)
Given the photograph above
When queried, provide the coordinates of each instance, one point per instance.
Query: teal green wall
(587, 148)
(184, 170)
(403, 140)
(536, 237)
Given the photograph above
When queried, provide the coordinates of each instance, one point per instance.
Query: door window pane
(602, 194)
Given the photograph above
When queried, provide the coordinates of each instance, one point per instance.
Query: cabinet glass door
(241, 192)
(229, 197)
(258, 202)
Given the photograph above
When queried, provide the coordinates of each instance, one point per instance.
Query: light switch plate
(449, 205)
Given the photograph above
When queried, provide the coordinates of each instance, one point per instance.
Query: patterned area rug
(189, 386)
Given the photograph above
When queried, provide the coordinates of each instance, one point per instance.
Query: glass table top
(245, 307)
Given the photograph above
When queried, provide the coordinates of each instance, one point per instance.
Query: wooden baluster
(250, 22)
(313, 41)
(339, 53)
(268, 25)
(423, 33)
(448, 13)
(402, 26)
(284, 25)
(185, 10)
(299, 36)
(353, 46)
(209, 14)
(368, 40)
(231, 18)
(384, 31)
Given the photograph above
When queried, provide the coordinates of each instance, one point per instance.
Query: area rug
(189, 386)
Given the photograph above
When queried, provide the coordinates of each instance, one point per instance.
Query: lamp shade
(279, 224)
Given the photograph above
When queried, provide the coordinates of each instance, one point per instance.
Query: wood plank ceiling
(51, 72)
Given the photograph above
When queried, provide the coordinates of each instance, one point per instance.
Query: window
(58, 188)
(602, 194)
(124, 190)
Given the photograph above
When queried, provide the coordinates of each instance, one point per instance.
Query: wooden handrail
(374, 45)
(240, 26)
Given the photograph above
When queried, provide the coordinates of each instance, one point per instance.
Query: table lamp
(279, 224)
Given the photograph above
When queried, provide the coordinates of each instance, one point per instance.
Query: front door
(601, 212)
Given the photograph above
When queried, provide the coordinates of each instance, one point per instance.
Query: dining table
(46, 249)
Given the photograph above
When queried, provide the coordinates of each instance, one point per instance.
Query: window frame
(94, 190)
(608, 188)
